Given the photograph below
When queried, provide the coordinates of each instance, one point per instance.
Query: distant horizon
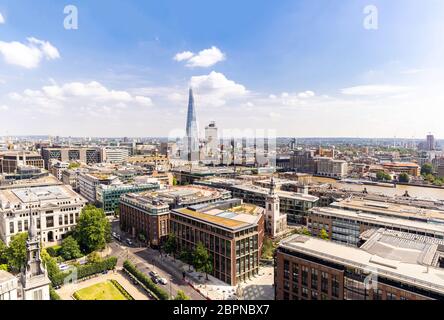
(248, 137)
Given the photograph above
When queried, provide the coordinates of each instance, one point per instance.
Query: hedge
(54, 251)
(85, 270)
(53, 294)
(121, 289)
(93, 268)
(159, 292)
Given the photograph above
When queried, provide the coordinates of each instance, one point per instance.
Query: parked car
(129, 242)
(163, 281)
(155, 280)
(153, 274)
(63, 267)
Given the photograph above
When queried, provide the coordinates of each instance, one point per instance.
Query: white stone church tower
(34, 280)
(276, 223)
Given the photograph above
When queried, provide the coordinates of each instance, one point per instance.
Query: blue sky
(302, 68)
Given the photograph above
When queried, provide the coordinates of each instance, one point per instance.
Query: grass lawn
(100, 291)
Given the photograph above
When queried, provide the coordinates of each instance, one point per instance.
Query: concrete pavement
(147, 260)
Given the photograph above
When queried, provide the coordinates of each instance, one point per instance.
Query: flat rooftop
(280, 193)
(389, 208)
(220, 218)
(20, 153)
(248, 186)
(400, 269)
(403, 246)
(401, 164)
(46, 180)
(179, 195)
(380, 219)
(35, 194)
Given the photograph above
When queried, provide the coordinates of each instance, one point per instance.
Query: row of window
(302, 276)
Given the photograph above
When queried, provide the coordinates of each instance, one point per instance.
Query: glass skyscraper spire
(192, 131)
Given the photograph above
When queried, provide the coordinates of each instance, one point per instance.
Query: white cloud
(306, 94)
(4, 108)
(28, 55)
(48, 50)
(183, 56)
(374, 90)
(215, 88)
(2, 19)
(89, 96)
(205, 58)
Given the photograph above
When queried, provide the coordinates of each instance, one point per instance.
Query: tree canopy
(305, 232)
(70, 249)
(202, 260)
(73, 165)
(170, 245)
(404, 177)
(3, 253)
(93, 230)
(181, 296)
(426, 169)
(268, 248)
(16, 252)
(324, 235)
(382, 176)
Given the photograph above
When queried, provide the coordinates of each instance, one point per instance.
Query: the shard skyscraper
(192, 131)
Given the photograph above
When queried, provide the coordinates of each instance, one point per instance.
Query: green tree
(3, 253)
(404, 177)
(324, 235)
(93, 230)
(382, 176)
(170, 245)
(202, 260)
(305, 232)
(50, 263)
(73, 165)
(430, 178)
(175, 183)
(181, 296)
(268, 248)
(426, 169)
(142, 237)
(70, 249)
(186, 256)
(4, 267)
(16, 252)
(94, 257)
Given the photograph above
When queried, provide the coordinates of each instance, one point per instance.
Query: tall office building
(430, 142)
(212, 141)
(192, 131)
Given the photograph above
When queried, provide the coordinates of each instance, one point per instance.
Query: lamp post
(171, 293)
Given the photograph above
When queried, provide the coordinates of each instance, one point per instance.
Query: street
(146, 260)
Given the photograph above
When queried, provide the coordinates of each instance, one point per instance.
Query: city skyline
(299, 68)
